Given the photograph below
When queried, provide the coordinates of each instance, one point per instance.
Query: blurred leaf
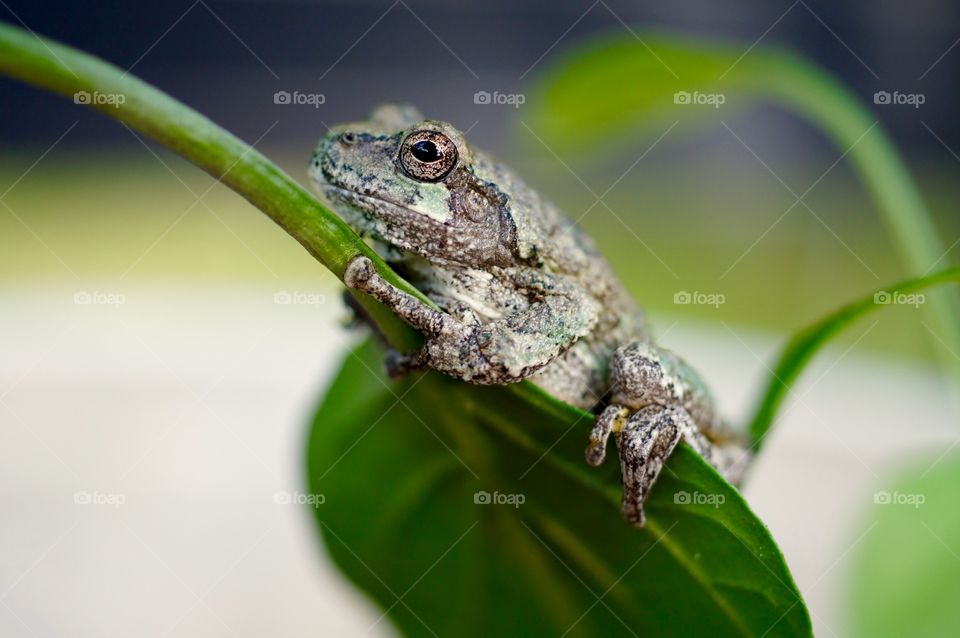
(610, 87)
(608, 90)
(907, 573)
(806, 343)
(400, 465)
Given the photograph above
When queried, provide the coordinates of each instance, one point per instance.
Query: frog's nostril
(349, 138)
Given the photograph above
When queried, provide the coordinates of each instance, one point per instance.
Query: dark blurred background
(260, 47)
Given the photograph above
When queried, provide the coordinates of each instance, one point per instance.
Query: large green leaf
(399, 466)
(907, 574)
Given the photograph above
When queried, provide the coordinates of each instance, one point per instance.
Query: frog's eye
(428, 156)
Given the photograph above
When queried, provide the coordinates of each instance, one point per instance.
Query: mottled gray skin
(522, 292)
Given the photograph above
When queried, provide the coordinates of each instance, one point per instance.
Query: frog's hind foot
(646, 441)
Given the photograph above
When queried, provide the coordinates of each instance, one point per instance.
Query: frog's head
(414, 184)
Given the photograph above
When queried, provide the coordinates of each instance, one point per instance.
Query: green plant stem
(835, 110)
(61, 69)
(806, 343)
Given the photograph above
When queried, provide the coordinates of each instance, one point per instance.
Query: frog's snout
(324, 157)
(330, 152)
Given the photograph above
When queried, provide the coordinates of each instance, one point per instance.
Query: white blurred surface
(192, 403)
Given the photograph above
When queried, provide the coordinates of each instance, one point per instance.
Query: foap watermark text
(497, 98)
(697, 298)
(696, 98)
(499, 498)
(297, 98)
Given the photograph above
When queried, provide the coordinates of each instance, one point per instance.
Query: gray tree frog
(522, 292)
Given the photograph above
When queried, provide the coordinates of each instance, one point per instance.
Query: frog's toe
(646, 441)
(358, 272)
(608, 422)
(399, 364)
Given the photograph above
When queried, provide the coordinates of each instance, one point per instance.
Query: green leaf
(573, 108)
(908, 563)
(400, 465)
(613, 88)
(804, 345)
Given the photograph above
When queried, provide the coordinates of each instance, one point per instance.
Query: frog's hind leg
(645, 442)
(643, 373)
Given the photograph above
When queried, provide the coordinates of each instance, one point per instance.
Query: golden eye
(428, 156)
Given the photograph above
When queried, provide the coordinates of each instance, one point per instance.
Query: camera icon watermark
(896, 98)
(696, 98)
(498, 498)
(896, 298)
(699, 498)
(96, 98)
(516, 100)
(697, 298)
(884, 497)
(296, 98)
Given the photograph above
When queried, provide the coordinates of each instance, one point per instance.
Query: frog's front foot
(500, 351)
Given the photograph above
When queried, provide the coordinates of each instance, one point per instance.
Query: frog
(517, 291)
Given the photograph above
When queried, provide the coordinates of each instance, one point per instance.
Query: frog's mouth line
(347, 194)
(351, 197)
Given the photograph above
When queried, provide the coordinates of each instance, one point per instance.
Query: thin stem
(805, 344)
(832, 108)
(77, 75)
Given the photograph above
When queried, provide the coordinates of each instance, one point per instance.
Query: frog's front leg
(501, 351)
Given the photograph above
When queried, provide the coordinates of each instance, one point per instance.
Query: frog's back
(554, 243)
(581, 375)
